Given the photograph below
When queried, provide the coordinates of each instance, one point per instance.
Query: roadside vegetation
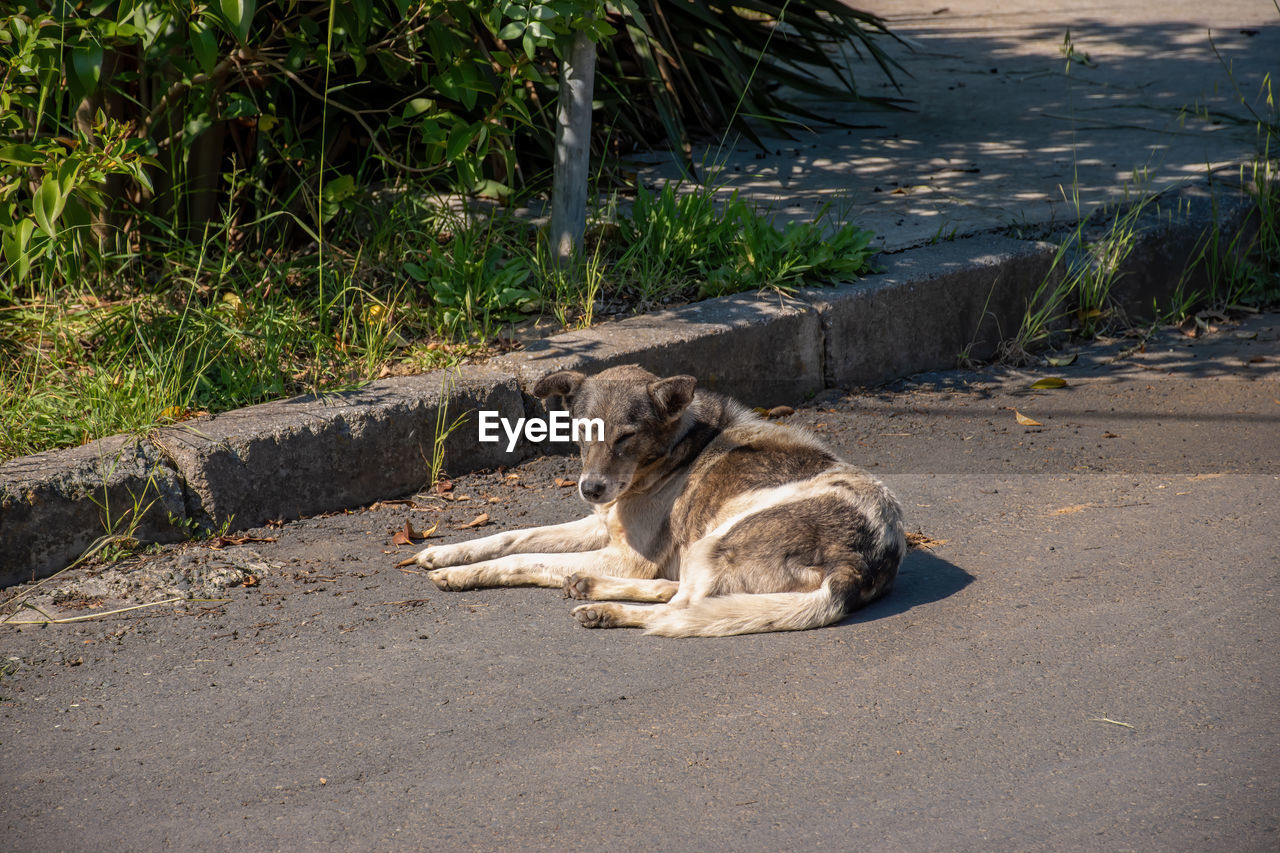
(208, 205)
(1241, 268)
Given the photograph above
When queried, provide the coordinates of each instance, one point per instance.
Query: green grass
(1245, 269)
(1241, 268)
(680, 245)
(1075, 294)
(172, 328)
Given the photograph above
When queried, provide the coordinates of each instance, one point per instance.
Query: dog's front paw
(425, 558)
(578, 585)
(452, 580)
(597, 615)
(438, 557)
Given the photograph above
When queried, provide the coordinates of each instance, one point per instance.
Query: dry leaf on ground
(406, 534)
(564, 484)
(919, 540)
(1194, 327)
(479, 521)
(1024, 420)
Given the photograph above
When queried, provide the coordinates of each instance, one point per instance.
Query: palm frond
(698, 67)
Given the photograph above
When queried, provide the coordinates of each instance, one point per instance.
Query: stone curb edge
(290, 458)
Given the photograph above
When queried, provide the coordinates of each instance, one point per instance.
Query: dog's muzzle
(593, 489)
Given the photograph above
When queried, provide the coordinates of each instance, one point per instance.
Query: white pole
(573, 148)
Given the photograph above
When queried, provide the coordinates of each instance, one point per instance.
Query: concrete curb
(302, 456)
(928, 308)
(54, 505)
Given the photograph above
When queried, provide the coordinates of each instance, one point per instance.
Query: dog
(724, 522)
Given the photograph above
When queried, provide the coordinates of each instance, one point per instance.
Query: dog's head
(641, 416)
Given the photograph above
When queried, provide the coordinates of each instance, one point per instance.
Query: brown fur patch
(738, 470)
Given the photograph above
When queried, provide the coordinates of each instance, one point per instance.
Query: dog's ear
(562, 383)
(672, 395)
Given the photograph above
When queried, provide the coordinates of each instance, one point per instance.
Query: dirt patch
(194, 573)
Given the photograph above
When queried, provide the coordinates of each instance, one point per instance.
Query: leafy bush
(192, 194)
(156, 113)
(687, 245)
(477, 276)
(301, 107)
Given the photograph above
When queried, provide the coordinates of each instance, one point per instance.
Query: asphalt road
(1087, 660)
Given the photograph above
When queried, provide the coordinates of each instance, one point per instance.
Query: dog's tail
(850, 586)
(752, 613)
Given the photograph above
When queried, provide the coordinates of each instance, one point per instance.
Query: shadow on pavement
(923, 579)
(1003, 131)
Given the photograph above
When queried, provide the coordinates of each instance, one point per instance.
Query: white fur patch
(872, 500)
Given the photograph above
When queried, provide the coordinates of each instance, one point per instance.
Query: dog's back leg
(698, 611)
(721, 615)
